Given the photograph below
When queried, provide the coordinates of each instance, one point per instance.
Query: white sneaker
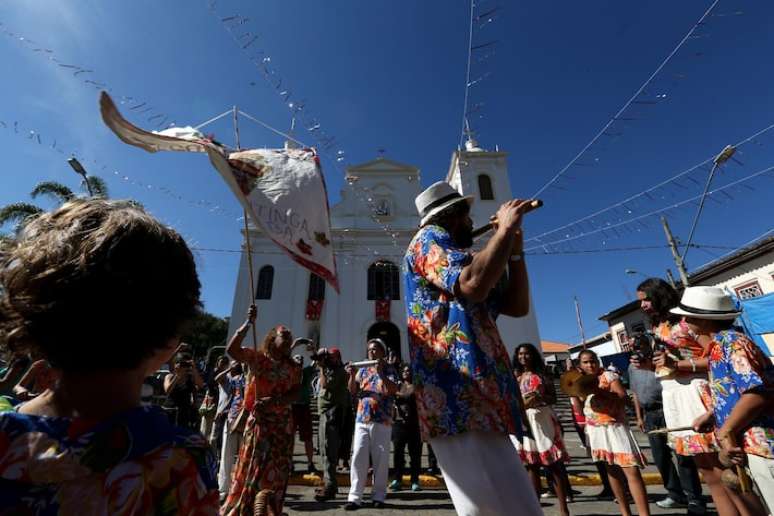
(669, 503)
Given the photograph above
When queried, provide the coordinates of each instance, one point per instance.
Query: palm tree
(96, 185)
(22, 212)
(19, 213)
(59, 192)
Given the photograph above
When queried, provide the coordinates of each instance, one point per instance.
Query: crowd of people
(77, 434)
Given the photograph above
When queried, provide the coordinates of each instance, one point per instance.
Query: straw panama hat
(436, 198)
(706, 303)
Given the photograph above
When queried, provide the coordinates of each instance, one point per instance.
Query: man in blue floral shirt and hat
(467, 399)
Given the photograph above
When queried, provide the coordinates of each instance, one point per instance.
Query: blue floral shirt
(374, 405)
(737, 365)
(460, 366)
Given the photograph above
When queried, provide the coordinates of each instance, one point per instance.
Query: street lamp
(78, 168)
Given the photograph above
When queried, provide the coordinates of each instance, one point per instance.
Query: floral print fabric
(607, 431)
(267, 447)
(546, 445)
(460, 366)
(737, 365)
(374, 405)
(135, 463)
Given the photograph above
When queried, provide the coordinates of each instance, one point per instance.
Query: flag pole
(247, 231)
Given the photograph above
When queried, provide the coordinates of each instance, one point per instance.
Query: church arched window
(485, 188)
(316, 288)
(265, 282)
(383, 281)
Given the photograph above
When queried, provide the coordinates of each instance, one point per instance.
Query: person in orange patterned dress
(267, 446)
(609, 436)
(102, 291)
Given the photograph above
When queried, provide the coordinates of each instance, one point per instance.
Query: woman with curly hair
(267, 447)
(545, 448)
(103, 292)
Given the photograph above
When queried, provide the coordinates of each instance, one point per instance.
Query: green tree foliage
(59, 192)
(206, 330)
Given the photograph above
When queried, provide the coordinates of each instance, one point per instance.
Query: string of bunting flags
(247, 39)
(636, 224)
(649, 94)
(645, 199)
(481, 50)
(88, 78)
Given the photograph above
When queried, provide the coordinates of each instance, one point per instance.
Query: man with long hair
(467, 398)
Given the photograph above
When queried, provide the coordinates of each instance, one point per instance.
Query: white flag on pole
(283, 190)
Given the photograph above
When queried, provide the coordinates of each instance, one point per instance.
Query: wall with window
(750, 279)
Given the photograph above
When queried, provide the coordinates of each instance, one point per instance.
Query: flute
(535, 204)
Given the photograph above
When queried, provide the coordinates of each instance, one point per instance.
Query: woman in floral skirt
(267, 447)
(545, 448)
(609, 437)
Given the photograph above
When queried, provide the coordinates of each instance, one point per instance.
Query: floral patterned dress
(607, 431)
(460, 366)
(546, 445)
(267, 446)
(686, 395)
(135, 463)
(737, 365)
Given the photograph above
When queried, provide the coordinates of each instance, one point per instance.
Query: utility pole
(675, 253)
(671, 278)
(580, 321)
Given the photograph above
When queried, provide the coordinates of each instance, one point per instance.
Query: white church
(376, 194)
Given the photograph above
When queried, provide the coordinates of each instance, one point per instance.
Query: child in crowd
(103, 292)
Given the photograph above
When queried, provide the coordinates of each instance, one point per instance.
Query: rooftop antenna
(471, 145)
(290, 144)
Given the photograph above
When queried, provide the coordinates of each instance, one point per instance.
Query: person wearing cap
(332, 402)
(467, 399)
(374, 387)
(741, 380)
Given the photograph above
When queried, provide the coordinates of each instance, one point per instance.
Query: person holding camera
(302, 412)
(375, 388)
(331, 405)
(682, 484)
(180, 386)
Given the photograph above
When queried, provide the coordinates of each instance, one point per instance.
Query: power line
(611, 227)
(646, 191)
(627, 104)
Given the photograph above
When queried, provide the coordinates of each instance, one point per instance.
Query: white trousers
(228, 454)
(762, 470)
(370, 439)
(484, 475)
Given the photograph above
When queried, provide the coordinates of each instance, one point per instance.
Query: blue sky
(391, 74)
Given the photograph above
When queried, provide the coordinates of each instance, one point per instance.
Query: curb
(436, 481)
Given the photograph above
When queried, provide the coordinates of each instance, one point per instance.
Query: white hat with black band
(436, 198)
(706, 303)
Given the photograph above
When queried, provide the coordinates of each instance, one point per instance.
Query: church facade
(372, 226)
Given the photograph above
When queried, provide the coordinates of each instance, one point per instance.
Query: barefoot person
(609, 436)
(467, 398)
(267, 446)
(103, 292)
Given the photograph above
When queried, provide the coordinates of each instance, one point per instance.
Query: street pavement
(434, 500)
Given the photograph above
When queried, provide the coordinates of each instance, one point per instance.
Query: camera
(644, 344)
(321, 355)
